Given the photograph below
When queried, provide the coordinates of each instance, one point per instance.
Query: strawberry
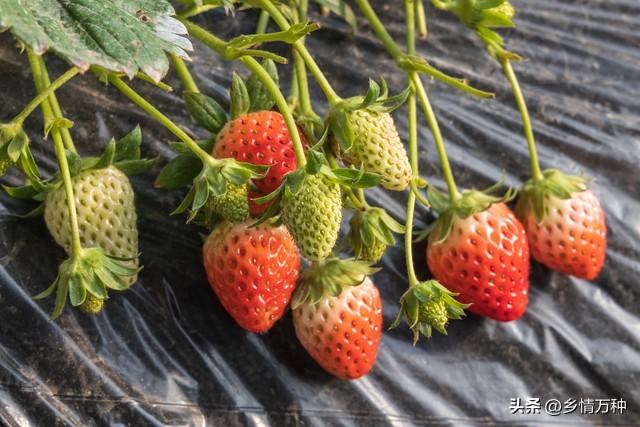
(253, 271)
(341, 330)
(565, 224)
(478, 249)
(377, 148)
(313, 216)
(106, 213)
(232, 205)
(260, 138)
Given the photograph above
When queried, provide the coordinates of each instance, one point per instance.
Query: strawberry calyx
(371, 230)
(317, 163)
(123, 154)
(554, 183)
(88, 274)
(468, 203)
(376, 100)
(426, 306)
(14, 150)
(482, 17)
(329, 277)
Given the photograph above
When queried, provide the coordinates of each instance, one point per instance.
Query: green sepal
(14, 150)
(259, 97)
(554, 183)
(341, 128)
(90, 270)
(466, 204)
(239, 97)
(74, 161)
(426, 306)
(371, 229)
(315, 160)
(57, 123)
(351, 177)
(128, 147)
(205, 111)
(212, 181)
(135, 167)
(179, 171)
(289, 36)
(329, 277)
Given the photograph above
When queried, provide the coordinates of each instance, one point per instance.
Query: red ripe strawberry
(485, 259)
(572, 237)
(253, 271)
(342, 333)
(261, 138)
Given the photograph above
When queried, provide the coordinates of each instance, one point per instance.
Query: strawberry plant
(273, 181)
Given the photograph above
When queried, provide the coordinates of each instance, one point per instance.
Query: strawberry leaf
(119, 35)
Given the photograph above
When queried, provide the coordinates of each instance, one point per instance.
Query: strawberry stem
(55, 105)
(48, 114)
(526, 121)
(164, 120)
(317, 73)
(263, 21)
(421, 19)
(254, 66)
(183, 73)
(413, 151)
(44, 95)
(418, 89)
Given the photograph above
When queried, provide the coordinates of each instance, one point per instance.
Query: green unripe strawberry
(313, 216)
(373, 253)
(233, 205)
(106, 213)
(506, 9)
(92, 305)
(5, 164)
(378, 148)
(434, 312)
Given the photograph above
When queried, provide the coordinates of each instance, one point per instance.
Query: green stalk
(47, 112)
(183, 73)
(263, 22)
(254, 66)
(416, 82)
(55, 105)
(42, 96)
(526, 121)
(421, 19)
(300, 68)
(164, 120)
(413, 151)
(317, 73)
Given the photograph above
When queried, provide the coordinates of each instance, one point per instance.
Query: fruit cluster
(273, 181)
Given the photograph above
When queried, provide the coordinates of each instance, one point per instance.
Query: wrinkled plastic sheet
(166, 353)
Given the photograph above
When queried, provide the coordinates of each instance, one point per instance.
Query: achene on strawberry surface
(260, 138)
(253, 271)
